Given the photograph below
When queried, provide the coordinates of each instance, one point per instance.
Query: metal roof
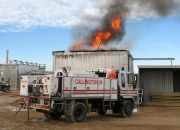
(159, 66)
(154, 58)
(100, 50)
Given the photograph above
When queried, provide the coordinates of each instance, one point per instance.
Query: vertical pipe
(28, 110)
(7, 56)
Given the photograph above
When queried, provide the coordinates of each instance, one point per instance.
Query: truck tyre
(127, 109)
(79, 113)
(53, 116)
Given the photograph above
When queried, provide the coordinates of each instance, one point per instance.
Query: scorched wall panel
(93, 59)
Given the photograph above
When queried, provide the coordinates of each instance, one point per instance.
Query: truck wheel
(53, 116)
(127, 109)
(79, 113)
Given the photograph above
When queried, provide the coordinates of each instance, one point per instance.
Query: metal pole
(28, 109)
(154, 58)
(171, 59)
(7, 56)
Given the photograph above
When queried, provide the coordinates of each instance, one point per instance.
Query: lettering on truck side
(82, 81)
(23, 81)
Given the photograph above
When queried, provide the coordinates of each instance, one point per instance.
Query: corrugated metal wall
(96, 59)
(155, 81)
(131, 64)
(14, 71)
(10, 71)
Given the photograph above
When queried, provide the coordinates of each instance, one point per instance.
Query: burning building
(94, 48)
(84, 60)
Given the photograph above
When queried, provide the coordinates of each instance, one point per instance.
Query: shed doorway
(176, 81)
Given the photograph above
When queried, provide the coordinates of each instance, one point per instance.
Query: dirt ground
(160, 118)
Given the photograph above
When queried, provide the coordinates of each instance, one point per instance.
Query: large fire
(100, 36)
(111, 17)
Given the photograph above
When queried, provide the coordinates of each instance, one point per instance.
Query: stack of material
(164, 99)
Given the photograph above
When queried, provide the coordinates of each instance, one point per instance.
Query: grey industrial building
(159, 79)
(15, 70)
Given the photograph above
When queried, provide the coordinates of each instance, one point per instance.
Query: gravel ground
(160, 118)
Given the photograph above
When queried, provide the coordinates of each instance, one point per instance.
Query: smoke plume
(105, 33)
(151, 8)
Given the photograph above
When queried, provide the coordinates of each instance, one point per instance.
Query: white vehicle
(74, 94)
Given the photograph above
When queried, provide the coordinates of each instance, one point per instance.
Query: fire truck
(74, 94)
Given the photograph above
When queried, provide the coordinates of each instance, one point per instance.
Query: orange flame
(116, 23)
(101, 36)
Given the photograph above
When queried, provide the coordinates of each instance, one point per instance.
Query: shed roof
(159, 66)
(100, 50)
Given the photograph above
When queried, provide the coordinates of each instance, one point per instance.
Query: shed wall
(155, 81)
(14, 71)
(96, 59)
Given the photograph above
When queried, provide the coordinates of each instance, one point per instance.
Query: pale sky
(32, 29)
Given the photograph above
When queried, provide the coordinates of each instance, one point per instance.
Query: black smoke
(161, 7)
(124, 8)
(115, 7)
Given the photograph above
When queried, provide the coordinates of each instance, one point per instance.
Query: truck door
(131, 81)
